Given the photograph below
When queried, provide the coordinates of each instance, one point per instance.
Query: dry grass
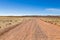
(52, 20)
(6, 22)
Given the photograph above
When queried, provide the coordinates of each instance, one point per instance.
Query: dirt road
(28, 30)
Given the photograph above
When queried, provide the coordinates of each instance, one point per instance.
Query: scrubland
(53, 20)
(8, 22)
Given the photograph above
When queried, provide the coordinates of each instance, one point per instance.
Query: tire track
(28, 27)
(30, 30)
(39, 33)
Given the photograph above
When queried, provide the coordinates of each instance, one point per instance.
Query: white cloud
(53, 9)
(46, 11)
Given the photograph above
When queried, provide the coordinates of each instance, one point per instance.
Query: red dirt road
(33, 29)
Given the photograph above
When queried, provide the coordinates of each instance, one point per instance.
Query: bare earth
(33, 29)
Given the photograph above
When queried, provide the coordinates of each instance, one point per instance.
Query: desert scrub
(0, 26)
(10, 20)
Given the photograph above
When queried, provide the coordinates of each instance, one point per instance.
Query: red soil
(33, 29)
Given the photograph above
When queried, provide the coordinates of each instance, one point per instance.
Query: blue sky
(29, 7)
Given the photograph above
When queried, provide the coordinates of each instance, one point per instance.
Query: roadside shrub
(9, 23)
(10, 20)
(0, 26)
(55, 23)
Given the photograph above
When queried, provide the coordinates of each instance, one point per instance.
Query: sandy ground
(33, 29)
